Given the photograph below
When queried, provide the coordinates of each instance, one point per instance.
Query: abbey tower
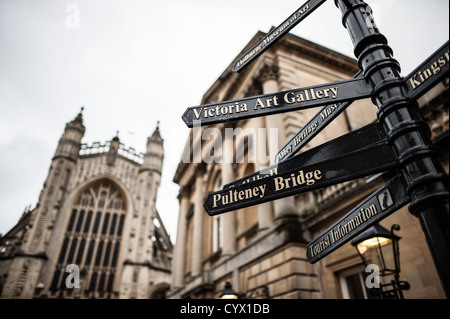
(95, 231)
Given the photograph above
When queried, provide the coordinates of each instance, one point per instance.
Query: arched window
(92, 237)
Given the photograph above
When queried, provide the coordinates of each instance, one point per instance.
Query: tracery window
(92, 239)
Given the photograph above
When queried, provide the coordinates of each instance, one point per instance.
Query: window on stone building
(188, 243)
(88, 222)
(92, 240)
(352, 283)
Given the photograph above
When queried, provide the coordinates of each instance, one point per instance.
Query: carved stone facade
(263, 247)
(95, 231)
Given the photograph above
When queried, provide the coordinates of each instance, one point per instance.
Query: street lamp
(228, 292)
(379, 246)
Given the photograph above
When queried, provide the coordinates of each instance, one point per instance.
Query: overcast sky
(131, 63)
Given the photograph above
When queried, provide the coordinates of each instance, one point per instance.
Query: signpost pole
(408, 134)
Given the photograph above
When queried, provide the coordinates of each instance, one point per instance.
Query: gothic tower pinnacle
(70, 142)
(154, 155)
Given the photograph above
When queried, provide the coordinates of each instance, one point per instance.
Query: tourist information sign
(367, 137)
(428, 74)
(302, 179)
(380, 204)
(277, 33)
(267, 104)
(325, 116)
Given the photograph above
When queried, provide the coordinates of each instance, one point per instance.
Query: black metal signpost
(399, 139)
(408, 134)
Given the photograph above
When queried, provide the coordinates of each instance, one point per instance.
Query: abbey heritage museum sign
(397, 142)
(325, 116)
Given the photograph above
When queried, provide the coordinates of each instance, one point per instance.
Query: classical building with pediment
(260, 250)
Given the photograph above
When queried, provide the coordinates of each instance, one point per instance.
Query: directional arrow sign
(325, 116)
(365, 138)
(277, 33)
(301, 179)
(428, 74)
(273, 103)
(380, 204)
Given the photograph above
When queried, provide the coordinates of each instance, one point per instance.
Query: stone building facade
(95, 231)
(261, 250)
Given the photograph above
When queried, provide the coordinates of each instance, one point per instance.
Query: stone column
(265, 210)
(178, 264)
(286, 206)
(197, 244)
(228, 176)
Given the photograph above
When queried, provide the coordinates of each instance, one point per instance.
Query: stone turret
(21, 280)
(140, 260)
(70, 142)
(153, 158)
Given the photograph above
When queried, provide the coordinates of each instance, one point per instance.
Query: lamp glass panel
(230, 296)
(388, 255)
(370, 251)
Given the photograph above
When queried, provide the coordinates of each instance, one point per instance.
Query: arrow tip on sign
(185, 118)
(235, 68)
(205, 205)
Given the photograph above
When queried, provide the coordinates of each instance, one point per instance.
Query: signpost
(267, 104)
(428, 74)
(427, 181)
(325, 116)
(398, 139)
(302, 179)
(417, 83)
(277, 33)
(366, 138)
(380, 204)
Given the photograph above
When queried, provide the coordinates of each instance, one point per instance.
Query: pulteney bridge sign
(398, 141)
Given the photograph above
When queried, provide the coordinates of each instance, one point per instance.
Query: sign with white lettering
(365, 138)
(380, 204)
(302, 179)
(428, 74)
(276, 34)
(312, 128)
(267, 104)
